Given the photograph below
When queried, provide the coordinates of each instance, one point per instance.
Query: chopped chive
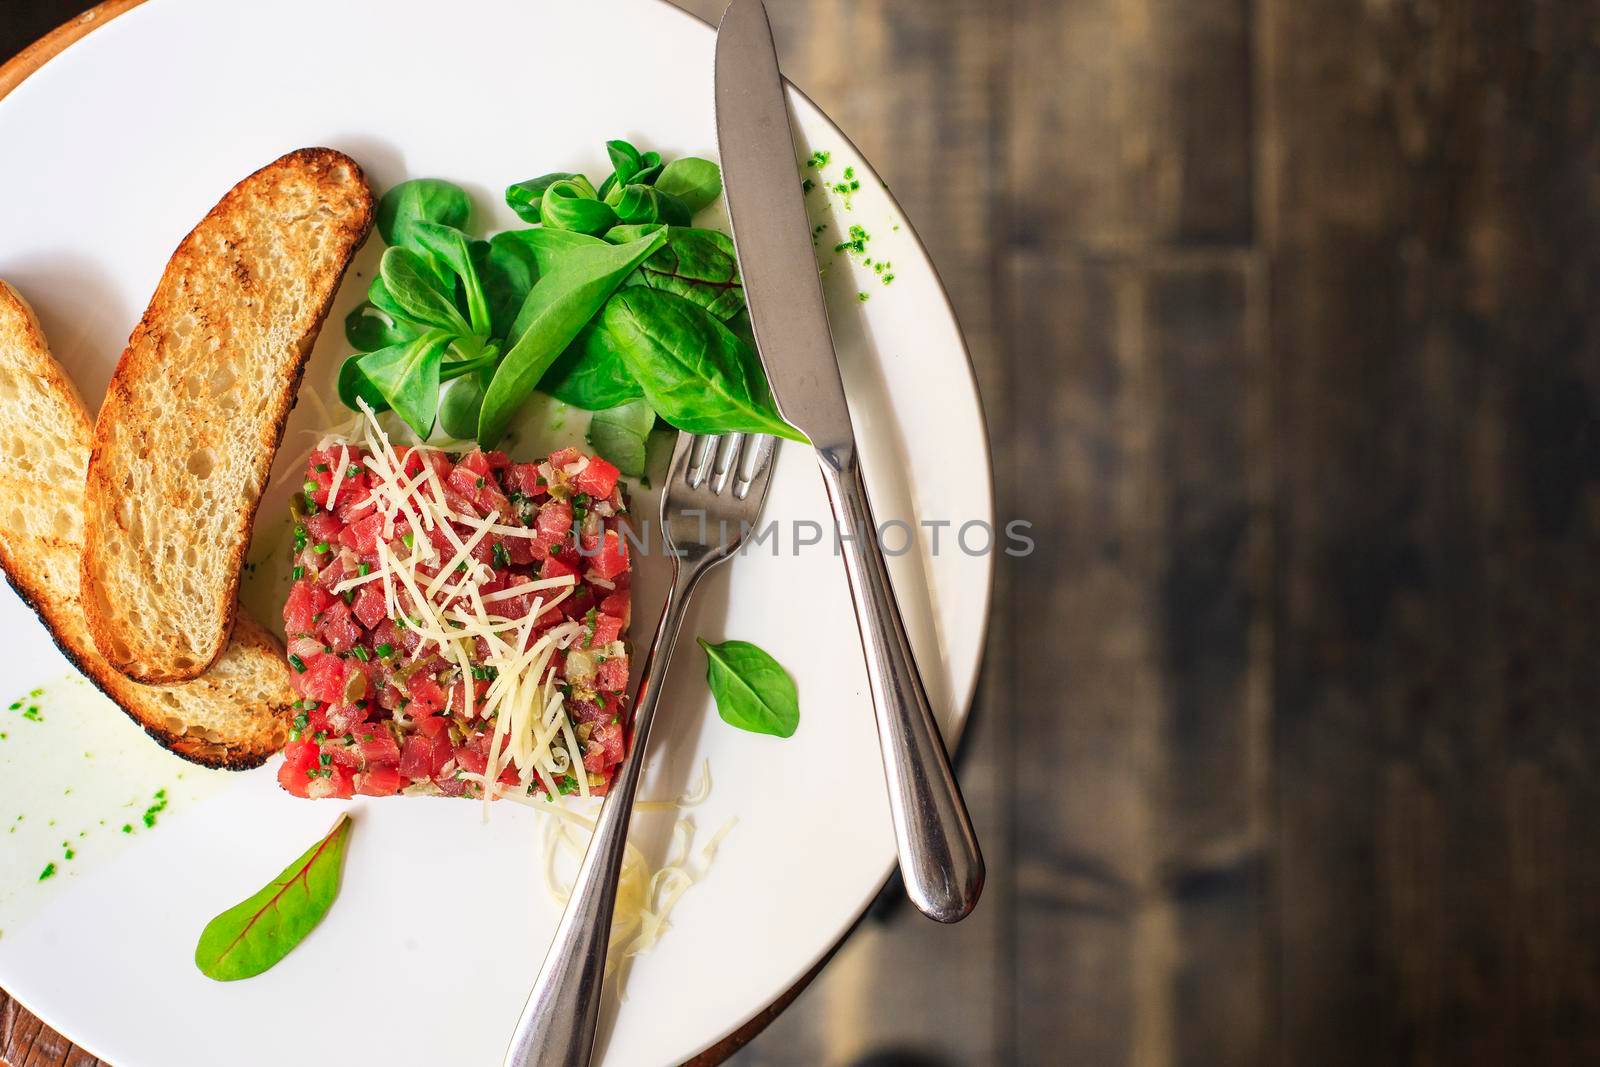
(297, 663)
(311, 486)
(362, 654)
(298, 573)
(363, 569)
(386, 649)
(322, 548)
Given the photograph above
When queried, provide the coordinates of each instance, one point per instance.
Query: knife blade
(938, 851)
(771, 230)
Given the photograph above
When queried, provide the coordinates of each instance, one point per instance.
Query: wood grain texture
(1287, 318)
(1433, 217)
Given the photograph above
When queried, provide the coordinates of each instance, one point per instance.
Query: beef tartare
(456, 621)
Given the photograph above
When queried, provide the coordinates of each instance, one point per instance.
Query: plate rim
(38, 54)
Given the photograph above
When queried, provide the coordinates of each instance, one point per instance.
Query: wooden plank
(1432, 233)
(1131, 122)
(1139, 829)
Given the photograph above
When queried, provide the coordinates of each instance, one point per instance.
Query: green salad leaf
(621, 435)
(407, 376)
(698, 265)
(695, 372)
(571, 204)
(450, 245)
(526, 197)
(557, 306)
(752, 690)
(695, 182)
(410, 290)
(369, 328)
(591, 373)
(461, 404)
(421, 200)
(509, 270)
(255, 934)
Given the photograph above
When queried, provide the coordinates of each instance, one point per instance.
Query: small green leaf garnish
(752, 690)
(255, 934)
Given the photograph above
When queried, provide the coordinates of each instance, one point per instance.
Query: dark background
(1285, 315)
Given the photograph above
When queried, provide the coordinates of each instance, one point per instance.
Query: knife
(939, 857)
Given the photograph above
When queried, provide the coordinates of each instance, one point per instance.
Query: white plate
(115, 149)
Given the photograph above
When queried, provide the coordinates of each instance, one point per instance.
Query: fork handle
(557, 1026)
(939, 857)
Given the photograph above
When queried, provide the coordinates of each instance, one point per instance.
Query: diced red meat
(336, 781)
(381, 781)
(339, 628)
(323, 527)
(362, 535)
(370, 609)
(375, 689)
(321, 681)
(609, 558)
(427, 696)
(524, 478)
(618, 603)
(377, 745)
(612, 675)
(607, 628)
(553, 523)
(604, 748)
(597, 478)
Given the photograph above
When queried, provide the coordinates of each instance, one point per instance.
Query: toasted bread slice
(235, 715)
(195, 411)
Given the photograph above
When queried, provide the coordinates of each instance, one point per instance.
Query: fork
(715, 489)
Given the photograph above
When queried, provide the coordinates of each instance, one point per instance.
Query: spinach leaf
(591, 374)
(563, 299)
(411, 289)
(509, 271)
(548, 246)
(407, 376)
(694, 371)
(570, 204)
(649, 169)
(620, 435)
(525, 197)
(369, 328)
(624, 161)
(255, 934)
(752, 690)
(698, 265)
(694, 181)
(421, 200)
(458, 411)
(450, 245)
(643, 204)
(353, 385)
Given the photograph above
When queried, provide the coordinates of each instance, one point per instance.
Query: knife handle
(939, 857)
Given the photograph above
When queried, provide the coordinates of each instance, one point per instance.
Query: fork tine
(727, 460)
(756, 462)
(701, 458)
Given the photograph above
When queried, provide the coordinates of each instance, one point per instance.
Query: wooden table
(1287, 317)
